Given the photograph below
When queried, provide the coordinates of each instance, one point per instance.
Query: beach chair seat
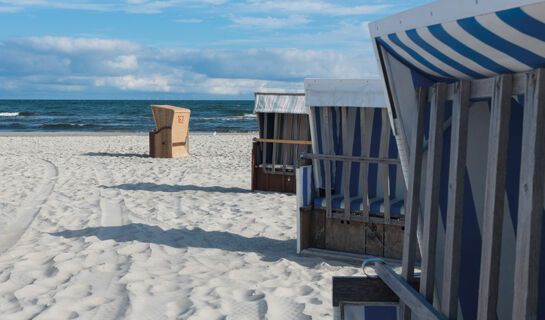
(376, 205)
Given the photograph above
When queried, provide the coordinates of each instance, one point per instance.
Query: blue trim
(393, 37)
(439, 32)
(473, 27)
(415, 37)
(522, 22)
(392, 168)
(514, 154)
(317, 121)
(380, 312)
(470, 265)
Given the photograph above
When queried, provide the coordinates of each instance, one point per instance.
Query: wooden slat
(346, 172)
(275, 136)
(484, 88)
(530, 199)
(411, 218)
(303, 142)
(455, 208)
(350, 158)
(383, 153)
(264, 144)
(498, 136)
(364, 166)
(361, 289)
(410, 297)
(346, 164)
(431, 196)
(328, 187)
(327, 164)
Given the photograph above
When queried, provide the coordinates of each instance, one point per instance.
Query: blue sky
(182, 49)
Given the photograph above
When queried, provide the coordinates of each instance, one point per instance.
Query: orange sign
(180, 119)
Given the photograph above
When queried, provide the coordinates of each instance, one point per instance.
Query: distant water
(121, 115)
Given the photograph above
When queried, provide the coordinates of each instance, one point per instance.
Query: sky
(183, 49)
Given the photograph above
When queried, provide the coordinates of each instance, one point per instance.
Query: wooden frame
(531, 193)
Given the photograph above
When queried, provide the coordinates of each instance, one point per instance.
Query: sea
(122, 115)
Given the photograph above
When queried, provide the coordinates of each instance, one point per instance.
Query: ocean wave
(15, 114)
(65, 125)
(246, 116)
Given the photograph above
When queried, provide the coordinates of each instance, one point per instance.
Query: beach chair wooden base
(266, 180)
(364, 297)
(349, 236)
(162, 146)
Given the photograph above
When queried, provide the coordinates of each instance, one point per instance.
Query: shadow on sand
(106, 154)
(269, 249)
(148, 186)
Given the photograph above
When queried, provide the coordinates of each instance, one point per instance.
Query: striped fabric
(506, 41)
(305, 181)
(372, 128)
(280, 103)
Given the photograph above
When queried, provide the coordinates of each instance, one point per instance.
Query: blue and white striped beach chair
(355, 162)
(467, 101)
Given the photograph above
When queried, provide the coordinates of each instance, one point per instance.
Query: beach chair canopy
(349, 118)
(293, 103)
(457, 74)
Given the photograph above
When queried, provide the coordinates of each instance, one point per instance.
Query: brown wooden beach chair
(170, 139)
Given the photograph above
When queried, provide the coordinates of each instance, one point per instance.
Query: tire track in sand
(30, 207)
(105, 283)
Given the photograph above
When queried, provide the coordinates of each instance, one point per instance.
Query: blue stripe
(415, 37)
(392, 168)
(439, 32)
(473, 27)
(317, 121)
(470, 265)
(514, 154)
(380, 312)
(337, 166)
(524, 23)
(393, 37)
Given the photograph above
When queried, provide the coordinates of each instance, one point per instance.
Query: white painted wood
(530, 199)
(498, 137)
(383, 153)
(364, 167)
(410, 297)
(453, 234)
(413, 206)
(432, 186)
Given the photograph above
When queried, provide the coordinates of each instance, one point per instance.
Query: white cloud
(147, 83)
(94, 65)
(124, 62)
(270, 22)
(315, 7)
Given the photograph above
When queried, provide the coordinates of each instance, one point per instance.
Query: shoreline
(103, 133)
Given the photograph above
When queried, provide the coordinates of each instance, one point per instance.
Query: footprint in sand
(259, 306)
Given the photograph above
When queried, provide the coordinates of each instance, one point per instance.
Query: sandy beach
(92, 228)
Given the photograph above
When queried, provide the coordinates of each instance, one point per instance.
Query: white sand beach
(92, 228)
